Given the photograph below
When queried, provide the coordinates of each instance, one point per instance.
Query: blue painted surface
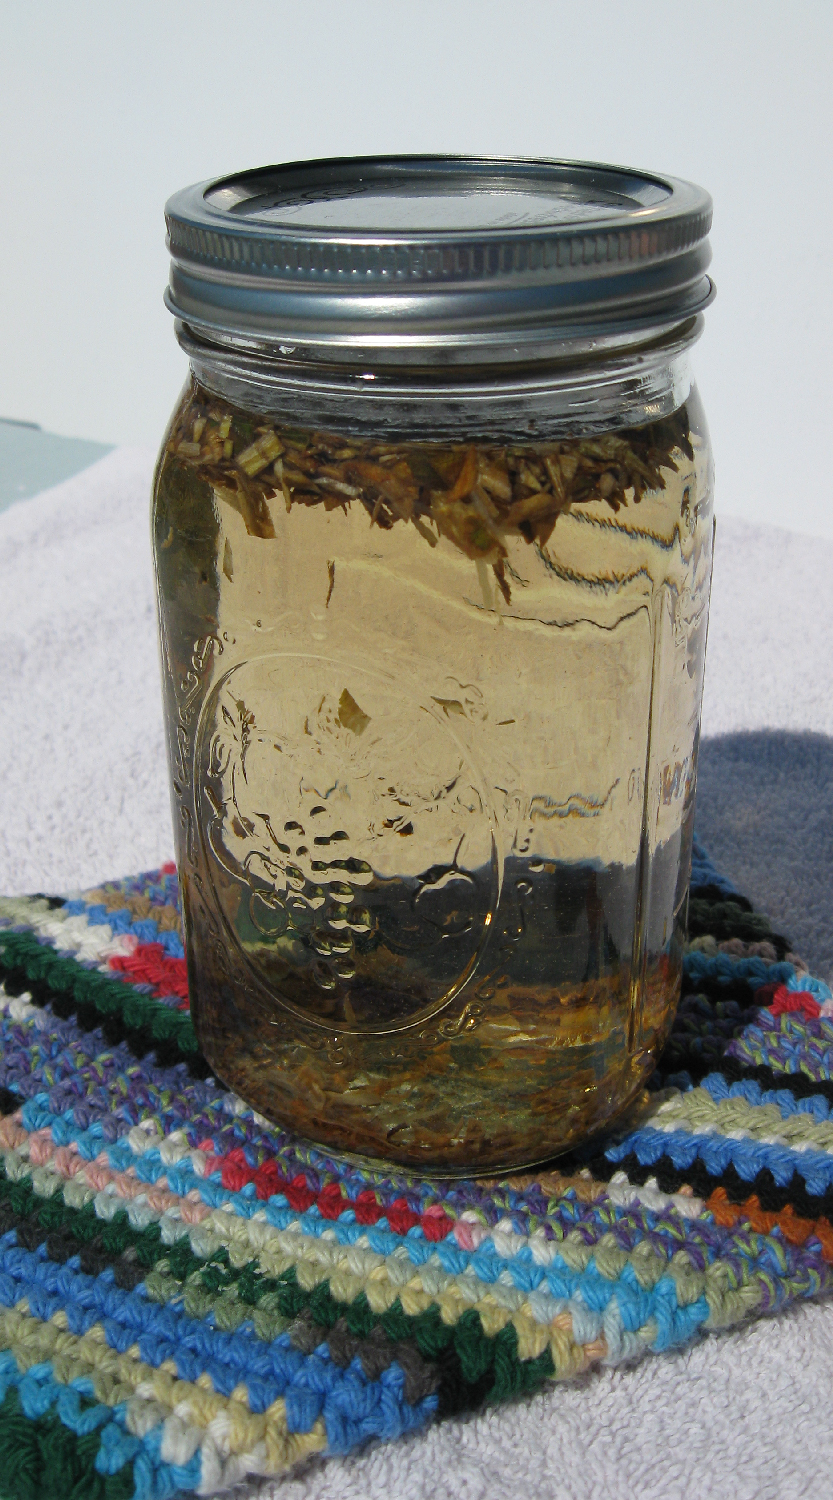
(32, 460)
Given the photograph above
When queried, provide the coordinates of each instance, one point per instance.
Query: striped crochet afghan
(188, 1296)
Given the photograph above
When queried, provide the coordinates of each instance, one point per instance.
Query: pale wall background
(106, 108)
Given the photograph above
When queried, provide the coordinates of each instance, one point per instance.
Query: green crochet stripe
(726, 919)
(115, 1235)
(478, 1353)
(37, 967)
(41, 1459)
(488, 1366)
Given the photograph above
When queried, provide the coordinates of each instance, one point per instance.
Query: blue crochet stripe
(145, 929)
(703, 873)
(698, 967)
(804, 984)
(748, 1157)
(358, 1410)
(311, 1385)
(39, 1393)
(747, 1088)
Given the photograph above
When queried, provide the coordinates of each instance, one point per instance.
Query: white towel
(84, 797)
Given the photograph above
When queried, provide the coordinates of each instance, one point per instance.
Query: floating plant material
(475, 494)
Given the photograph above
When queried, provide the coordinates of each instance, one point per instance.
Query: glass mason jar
(433, 533)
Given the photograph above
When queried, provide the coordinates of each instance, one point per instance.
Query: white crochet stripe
(20, 1008)
(737, 1119)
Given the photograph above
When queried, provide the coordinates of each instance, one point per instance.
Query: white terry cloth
(769, 663)
(84, 798)
(82, 759)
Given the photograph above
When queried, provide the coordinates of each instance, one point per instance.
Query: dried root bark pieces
(474, 495)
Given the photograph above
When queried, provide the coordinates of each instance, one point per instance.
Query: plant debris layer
(476, 494)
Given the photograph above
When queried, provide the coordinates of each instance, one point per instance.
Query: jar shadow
(765, 815)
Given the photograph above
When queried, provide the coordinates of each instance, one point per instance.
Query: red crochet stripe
(150, 964)
(785, 1001)
(236, 1172)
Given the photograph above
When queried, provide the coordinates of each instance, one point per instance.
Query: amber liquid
(434, 844)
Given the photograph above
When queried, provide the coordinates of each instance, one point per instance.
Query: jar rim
(621, 386)
(421, 260)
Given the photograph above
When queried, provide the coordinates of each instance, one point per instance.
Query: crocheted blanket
(188, 1295)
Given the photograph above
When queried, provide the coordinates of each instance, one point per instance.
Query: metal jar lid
(435, 260)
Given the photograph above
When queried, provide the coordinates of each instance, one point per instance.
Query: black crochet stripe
(701, 1031)
(9, 1102)
(727, 919)
(66, 1231)
(121, 1012)
(741, 991)
(715, 896)
(800, 1085)
(670, 1179)
(465, 1366)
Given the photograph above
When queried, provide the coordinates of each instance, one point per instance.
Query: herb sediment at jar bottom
(433, 713)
